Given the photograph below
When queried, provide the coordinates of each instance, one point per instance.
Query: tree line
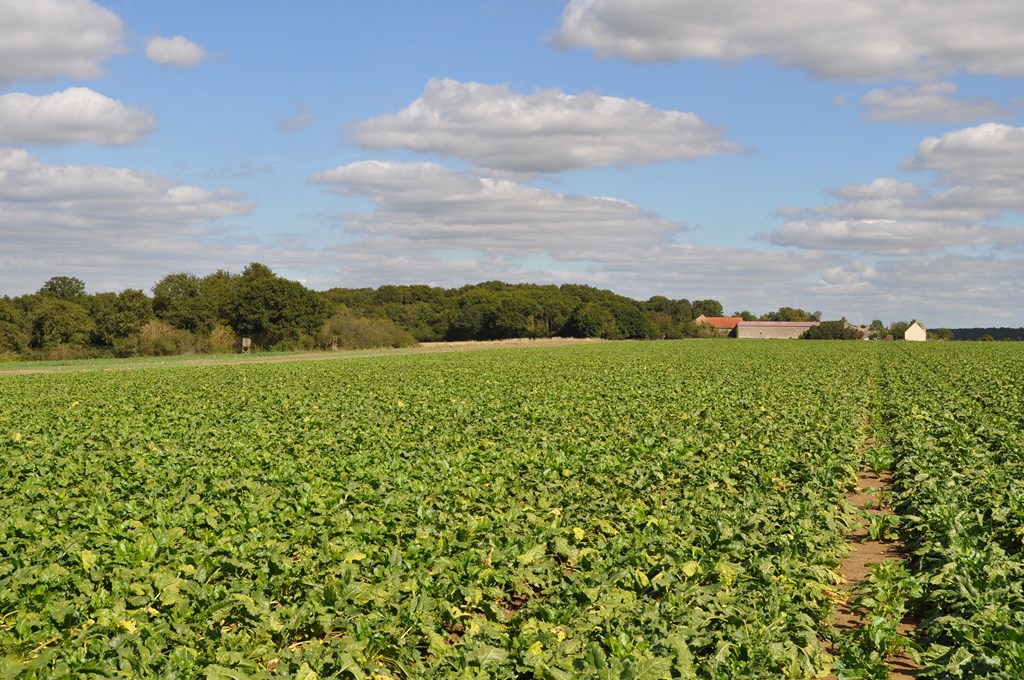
(494, 310)
(186, 313)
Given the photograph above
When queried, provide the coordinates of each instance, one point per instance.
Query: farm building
(915, 333)
(781, 330)
(724, 325)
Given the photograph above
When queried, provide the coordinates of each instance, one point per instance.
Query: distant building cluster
(736, 327)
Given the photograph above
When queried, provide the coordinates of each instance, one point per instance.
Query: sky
(861, 158)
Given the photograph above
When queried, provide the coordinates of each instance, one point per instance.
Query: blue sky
(846, 156)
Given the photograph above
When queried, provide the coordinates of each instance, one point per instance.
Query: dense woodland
(186, 314)
(988, 333)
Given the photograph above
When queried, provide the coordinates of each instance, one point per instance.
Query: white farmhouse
(915, 333)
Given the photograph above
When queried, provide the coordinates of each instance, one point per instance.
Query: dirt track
(80, 365)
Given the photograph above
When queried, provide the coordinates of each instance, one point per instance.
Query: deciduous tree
(56, 321)
(64, 288)
(269, 309)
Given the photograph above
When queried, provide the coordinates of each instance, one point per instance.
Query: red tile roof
(723, 322)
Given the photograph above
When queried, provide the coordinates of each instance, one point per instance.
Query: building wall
(770, 332)
(915, 334)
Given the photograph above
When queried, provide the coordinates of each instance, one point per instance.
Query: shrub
(223, 340)
(832, 330)
(345, 330)
(159, 338)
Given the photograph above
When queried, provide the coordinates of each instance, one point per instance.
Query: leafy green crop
(622, 510)
(955, 421)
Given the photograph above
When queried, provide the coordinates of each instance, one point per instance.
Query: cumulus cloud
(979, 187)
(437, 207)
(544, 132)
(931, 102)
(736, 276)
(54, 217)
(45, 39)
(746, 276)
(176, 51)
(835, 39)
(988, 154)
(433, 225)
(883, 187)
(851, 276)
(74, 115)
(952, 290)
(54, 197)
(893, 237)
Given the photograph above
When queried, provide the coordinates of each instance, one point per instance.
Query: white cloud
(44, 39)
(949, 290)
(74, 115)
(436, 226)
(892, 237)
(836, 39)
(736, 276)
(978, 191)
(745, 276)
(544, 132)
(932, 102)
(928, 209)
(176, 51)
(440, 208)
(943, 290)
(883, 187)
(58, 219)
(854, 275)
(53, 198)
(989, 154)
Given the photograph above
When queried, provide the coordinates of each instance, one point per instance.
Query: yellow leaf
(690, 568)
(89, 559)
(354, 556)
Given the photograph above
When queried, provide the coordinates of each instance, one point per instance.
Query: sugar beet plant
(615, 511)
(955, 420)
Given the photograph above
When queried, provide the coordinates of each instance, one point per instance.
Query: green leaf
(306, 673)
(532, 555)
(486, 655)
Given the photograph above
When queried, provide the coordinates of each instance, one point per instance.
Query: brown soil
(854, 567)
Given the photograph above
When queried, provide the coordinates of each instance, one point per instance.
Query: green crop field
(614, 510)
